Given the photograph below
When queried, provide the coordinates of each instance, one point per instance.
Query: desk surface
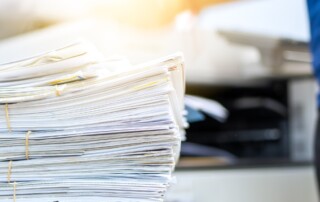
(276, 184)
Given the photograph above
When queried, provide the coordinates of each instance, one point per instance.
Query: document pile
(77, 127)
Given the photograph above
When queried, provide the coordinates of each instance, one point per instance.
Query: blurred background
(251, 96)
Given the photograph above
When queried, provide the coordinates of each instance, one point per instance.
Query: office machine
(269, 119)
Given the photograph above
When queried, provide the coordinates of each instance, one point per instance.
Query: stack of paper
(77, 127)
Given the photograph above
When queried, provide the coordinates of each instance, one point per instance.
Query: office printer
(268, 119)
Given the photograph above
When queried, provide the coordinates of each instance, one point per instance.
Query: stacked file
(77, 127)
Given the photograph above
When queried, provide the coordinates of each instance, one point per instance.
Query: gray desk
(273, 184)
